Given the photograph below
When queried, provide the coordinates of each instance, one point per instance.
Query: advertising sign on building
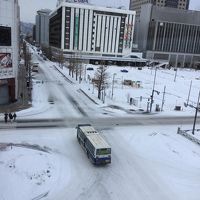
(6, 66)
(76, 30)
(127, 35)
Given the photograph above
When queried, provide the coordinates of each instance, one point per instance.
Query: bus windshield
(103, 151)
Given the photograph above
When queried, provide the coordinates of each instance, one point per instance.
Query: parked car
(35, 68)
(90, 68)
(124, 70)
(44, 58)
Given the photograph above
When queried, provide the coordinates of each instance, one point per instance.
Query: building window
(5, 36)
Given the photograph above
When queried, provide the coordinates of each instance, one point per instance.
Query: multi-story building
(91, 30)
(34, 33)
(180, 4)
(9, 50)
(42, 27)
(170, 34)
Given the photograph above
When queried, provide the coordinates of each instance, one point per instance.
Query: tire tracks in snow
(75, 104)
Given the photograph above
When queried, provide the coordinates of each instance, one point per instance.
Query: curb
(89, 97)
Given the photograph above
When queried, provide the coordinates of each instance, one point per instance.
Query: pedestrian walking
(14, 117)
(21, 95)
(6, 117)
(10, 117)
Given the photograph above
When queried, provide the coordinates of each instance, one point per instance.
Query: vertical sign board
(76, 30)
(6, 66)
(127, 35)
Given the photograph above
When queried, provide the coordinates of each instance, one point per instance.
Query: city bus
(96, 148)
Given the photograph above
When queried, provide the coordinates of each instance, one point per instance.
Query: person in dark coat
(14, 117)
(6, 117)
(10, 116)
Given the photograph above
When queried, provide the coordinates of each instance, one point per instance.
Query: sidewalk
(23, 94)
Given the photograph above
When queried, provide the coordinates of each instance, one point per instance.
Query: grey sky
(28, 8)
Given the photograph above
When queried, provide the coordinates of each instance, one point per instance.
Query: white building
(91, 30)
(9, 50)
(42, 26)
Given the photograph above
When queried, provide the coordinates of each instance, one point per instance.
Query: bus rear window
(103, 151)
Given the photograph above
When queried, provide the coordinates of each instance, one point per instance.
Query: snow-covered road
(147, 163)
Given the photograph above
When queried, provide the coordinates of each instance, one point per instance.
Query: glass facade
(171, 3)
(55, 28)
(173, 37)
(5, 36)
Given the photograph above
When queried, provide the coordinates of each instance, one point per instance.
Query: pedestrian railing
(188, 136)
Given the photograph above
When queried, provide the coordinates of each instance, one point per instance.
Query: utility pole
(148, 101)
(175, 75)
(163, 99)
(189, 93)
(113, 84)
(151, 103)
(195, 117)
(84, 72)
(80, 67)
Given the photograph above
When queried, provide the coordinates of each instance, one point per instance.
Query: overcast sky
(28, 8)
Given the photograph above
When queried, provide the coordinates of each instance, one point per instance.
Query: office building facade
(180, 4)
(170, 34)
(42, 27)
(9, 50)
(91, 30)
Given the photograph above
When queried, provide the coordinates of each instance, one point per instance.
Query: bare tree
(75, 66)
(27, 64)
(60, 58)
(72, 65)
(78, 66)
(47, 51)
(101, 79)
(78, 70)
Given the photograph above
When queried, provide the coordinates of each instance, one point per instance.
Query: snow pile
(28, 171)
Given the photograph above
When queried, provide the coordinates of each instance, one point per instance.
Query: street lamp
(113, 83)
(195, 117)
(189, 93)
(153, 90)
(176, 70)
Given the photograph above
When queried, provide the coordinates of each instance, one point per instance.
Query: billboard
(6, 66)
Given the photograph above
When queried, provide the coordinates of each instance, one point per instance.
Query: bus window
(103, 151)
